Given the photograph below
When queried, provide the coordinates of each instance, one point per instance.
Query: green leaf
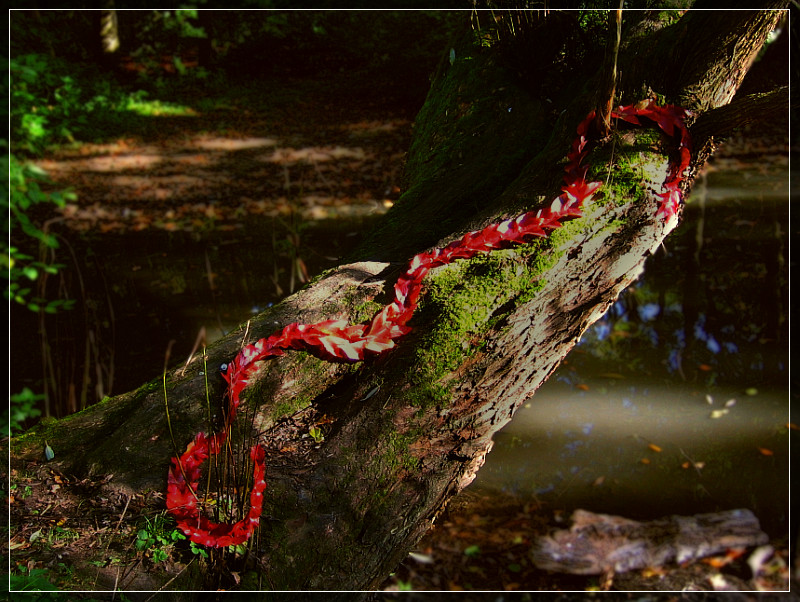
(159, 555)
(316, 434)
(472, 551)
(196, 549)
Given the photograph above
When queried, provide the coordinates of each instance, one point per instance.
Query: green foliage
(25, 492)
(472, 551)
(316, 434)
(165, 31)
(181, 23)
(21, 408)
(157, 537)
(198, 550)
(20, 269)
(34, 580)
(138, 102)
(56, 102)
(404, 586)
(47, 103)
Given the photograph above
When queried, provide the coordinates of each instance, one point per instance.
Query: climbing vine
(337, 340)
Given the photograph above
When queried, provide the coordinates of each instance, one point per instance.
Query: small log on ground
(598, 544)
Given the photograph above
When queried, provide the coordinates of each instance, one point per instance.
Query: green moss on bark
(465, 300)
(109, 410)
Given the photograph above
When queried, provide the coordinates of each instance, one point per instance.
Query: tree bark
(404, 432)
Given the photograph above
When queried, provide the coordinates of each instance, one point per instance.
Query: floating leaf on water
(599, 481)
(709, 400)
(718, 413)
(751, 391)
(766, 452)
(654, 447)
(645, 460)
(730, 403)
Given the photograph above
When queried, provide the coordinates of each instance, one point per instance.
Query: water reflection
(714, 311)
(643, 450)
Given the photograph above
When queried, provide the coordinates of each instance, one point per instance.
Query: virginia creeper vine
(336, 340)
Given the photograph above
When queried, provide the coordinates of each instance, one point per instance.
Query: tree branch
(752, 108)
(700, 61)
(715, 50)
(607, 89)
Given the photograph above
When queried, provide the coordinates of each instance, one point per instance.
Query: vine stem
(337, 340)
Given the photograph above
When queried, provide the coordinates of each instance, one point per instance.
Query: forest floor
(301, 149)
(81, 534)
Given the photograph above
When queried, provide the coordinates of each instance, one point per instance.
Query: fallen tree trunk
(361, 458)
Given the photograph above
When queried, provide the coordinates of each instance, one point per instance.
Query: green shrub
(22, 407)
(20, 269)
(47, 104)
(157, 538)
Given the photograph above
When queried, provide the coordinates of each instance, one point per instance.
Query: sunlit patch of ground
(213, 170)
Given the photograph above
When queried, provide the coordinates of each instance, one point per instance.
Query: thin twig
(694, 464)
(200, 339)
(116, 583)
(111, 536)
(246, 331)
(608, 89)
(170, 581)
(169, 421)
